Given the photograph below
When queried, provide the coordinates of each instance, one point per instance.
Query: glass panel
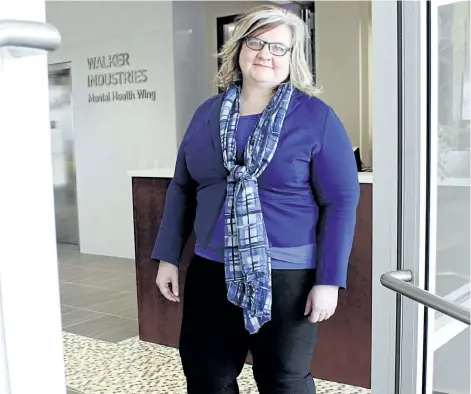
(449, 341)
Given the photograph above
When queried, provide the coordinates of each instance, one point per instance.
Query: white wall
(343, 35)
(192, 85)
(112, 138)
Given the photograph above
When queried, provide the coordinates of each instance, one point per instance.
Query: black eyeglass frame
(266, 43)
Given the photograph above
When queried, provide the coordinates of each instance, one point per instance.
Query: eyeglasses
(275, 48)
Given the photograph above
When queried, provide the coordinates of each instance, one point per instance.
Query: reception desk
(343, 352)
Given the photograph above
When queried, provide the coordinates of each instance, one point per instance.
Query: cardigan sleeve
(334, 179)
(180, 209)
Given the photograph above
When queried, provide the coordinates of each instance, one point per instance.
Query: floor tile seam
(101, 269)
(102, 313)
(80, 322)
(68, 282)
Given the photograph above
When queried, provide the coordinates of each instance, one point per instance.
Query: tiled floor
(98, 295)
(102, 352)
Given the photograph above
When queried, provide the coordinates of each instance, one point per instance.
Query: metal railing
(398, 282)
(29, 34)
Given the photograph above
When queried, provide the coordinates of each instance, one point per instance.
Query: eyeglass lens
(275, 49)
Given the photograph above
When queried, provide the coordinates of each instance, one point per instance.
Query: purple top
(298, 257)
(309, 192)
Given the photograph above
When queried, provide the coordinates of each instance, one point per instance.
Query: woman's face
(262, 66)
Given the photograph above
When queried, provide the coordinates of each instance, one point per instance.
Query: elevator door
(62, 148)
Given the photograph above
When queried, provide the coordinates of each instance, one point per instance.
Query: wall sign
(115, 71)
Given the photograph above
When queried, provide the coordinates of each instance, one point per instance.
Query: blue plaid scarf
(246, 255)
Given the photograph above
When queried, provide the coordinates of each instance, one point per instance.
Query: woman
(267, 178)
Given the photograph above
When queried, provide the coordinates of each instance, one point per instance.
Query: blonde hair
(260, 19)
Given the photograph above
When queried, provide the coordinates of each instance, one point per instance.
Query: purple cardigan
(309, 192)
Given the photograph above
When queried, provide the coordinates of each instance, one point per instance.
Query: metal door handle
(29, 34)
(397, 281)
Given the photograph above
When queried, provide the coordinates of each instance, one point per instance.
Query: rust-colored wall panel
(343, 352)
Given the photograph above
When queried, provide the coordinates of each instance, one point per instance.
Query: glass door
(447, 350)
(421, 214)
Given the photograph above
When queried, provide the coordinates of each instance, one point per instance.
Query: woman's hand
(167, 281)
(321, 302)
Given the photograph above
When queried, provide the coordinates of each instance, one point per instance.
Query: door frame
(399, 112)
(405, 146)
(31, 349)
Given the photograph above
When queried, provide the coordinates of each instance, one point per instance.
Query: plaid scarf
(246, 255)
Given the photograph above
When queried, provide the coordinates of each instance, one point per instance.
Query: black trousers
(214, 342)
